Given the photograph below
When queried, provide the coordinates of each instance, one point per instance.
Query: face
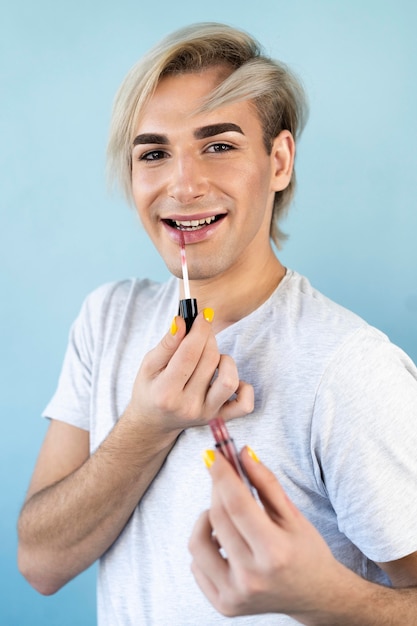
(207, 175)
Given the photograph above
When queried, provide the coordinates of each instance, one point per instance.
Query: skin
(188, 166)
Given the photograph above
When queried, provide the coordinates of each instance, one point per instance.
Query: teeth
(194, 223)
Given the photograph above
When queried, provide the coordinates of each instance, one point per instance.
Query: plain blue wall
(352, 226)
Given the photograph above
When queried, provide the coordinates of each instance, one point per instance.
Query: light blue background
(353, 226)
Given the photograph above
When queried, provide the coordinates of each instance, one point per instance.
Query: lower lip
(192, 236)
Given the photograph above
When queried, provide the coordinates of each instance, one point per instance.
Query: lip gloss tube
(188, 311)
(226, 445)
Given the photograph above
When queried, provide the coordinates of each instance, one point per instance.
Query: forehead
(178, 99)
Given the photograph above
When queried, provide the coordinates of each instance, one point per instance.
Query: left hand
(277, 562)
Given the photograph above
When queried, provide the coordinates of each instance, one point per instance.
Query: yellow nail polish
(209, 456)
(174, 327)
(252, 454)
(208, 314)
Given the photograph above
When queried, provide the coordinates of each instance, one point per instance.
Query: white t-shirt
(335, 419)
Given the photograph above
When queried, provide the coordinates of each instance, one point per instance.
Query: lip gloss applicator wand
(188, 306)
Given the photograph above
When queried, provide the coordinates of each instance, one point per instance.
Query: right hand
(185, 381)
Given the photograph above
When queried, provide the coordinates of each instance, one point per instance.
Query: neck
(236, 295)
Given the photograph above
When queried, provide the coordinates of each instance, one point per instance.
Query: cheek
(255, 175)
(244, 183)
(255, 185)
(139, 188)
(144, 182)
(143, 196)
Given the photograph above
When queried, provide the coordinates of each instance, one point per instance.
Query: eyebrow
(216, 129)
(150, 138)
(200, 133)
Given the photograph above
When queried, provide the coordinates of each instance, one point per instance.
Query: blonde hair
(276, 93)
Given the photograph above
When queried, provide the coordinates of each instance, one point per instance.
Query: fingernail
(252, 454)
(208, 314)
(209, 456)
(174, 327)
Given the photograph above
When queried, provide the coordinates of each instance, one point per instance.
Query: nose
(187, 180)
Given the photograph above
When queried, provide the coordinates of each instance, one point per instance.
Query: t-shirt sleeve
(364, 437)
(71, 401)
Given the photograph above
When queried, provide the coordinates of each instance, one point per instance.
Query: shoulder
(116, 296)
(310, 305)
(114, 293)
(314, 326)
(122, 303)
(370, 367)
(347, 346)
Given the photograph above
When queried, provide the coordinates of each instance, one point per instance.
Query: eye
(220, 147)
(153, 155)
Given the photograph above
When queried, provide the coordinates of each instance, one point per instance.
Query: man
(203, 139)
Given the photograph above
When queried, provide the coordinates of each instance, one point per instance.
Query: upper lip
(194, 216)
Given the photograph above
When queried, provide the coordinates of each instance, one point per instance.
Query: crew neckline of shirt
(268, 303)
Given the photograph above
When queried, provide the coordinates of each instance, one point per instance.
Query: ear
(282, 160)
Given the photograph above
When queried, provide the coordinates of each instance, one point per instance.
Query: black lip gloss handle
(188, 311)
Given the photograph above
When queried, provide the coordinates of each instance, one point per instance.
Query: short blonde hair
(276, 93)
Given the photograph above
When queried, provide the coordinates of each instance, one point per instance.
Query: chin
(174, 268)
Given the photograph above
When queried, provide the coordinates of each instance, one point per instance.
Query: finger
(234, 513)
(228, 535)
(208, 566)
(201, 379)
(207, 584)
(158, 358)
(242, 402)
(187, 357)
(224, 385)
(202, 543)
(270, 492)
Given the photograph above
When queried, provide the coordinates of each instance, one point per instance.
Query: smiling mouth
(191, 225)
